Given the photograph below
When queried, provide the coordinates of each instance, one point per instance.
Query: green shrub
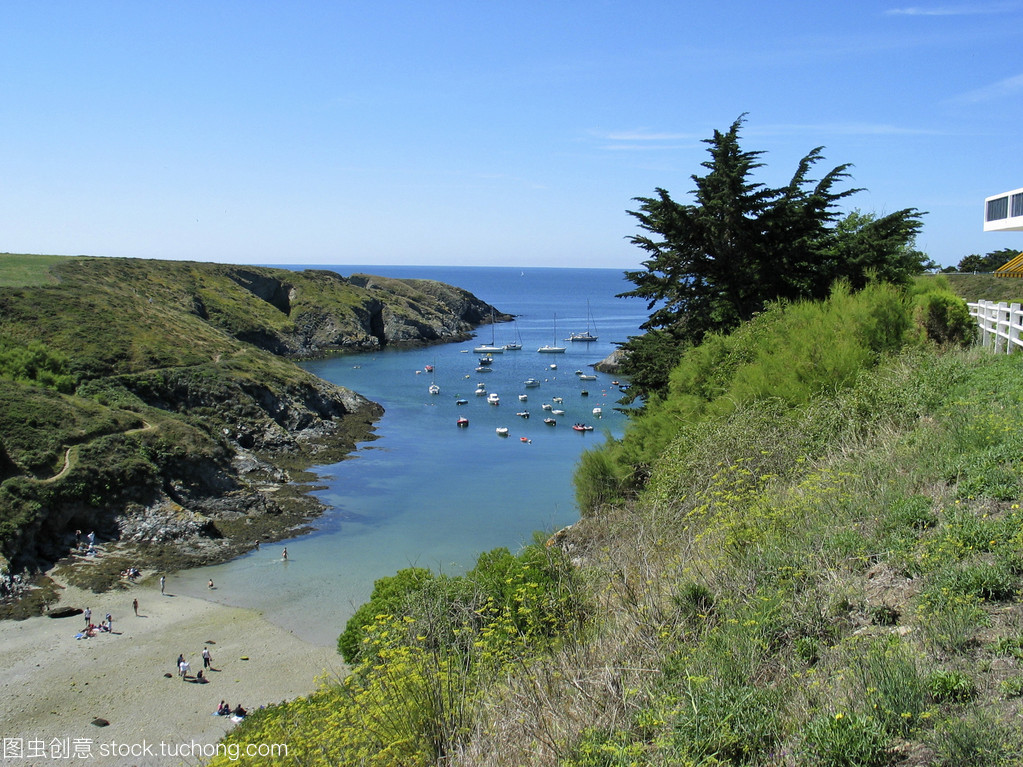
(390, 596)
(944, 318)
(950, 686)
(601, 748)
(1012, 687)
(846, 740)
(975, 740)
(887, 683)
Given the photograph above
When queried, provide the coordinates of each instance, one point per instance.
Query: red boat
(582, 427)
(462, 422)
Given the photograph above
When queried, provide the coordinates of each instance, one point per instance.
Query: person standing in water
(284, 556)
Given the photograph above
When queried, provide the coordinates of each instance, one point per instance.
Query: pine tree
(715, 263)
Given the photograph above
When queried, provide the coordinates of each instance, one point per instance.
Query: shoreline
(54, 685)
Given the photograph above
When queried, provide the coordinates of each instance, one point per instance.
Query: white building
(1004, 212)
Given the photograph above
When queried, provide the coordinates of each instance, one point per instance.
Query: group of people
(107, 624)
(131, 573)
(90, 542)
(224, 709)
(200, 676)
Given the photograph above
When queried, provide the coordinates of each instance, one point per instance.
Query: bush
(944, 318)
(846, 740)
(950, 686)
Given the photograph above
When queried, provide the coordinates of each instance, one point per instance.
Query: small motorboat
(461, 401)
(554, 366)
(587, 377)
(525, 439)
(481, 389)
(582, 427)
(502, 431)
(523, 397)
(523, 414)
(584, 393)
(434, 389)
(557, 411)
(493, 399)
(547, 406)
(462, 422)
(531, 383)
(428, 368)
(557, 400)
(597, 412)
(550, 422)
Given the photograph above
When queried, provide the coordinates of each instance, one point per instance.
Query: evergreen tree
(717, 262)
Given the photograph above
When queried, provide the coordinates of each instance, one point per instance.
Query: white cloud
(1010, 86)
(954, 10)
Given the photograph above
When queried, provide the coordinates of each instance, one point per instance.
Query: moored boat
(462, 422)
(553, 348)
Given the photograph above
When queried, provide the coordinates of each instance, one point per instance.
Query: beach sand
(52, 686)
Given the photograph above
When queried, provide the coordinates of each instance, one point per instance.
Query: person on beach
(109, 620)
(178, 662)
(163, 582)
(210, 585)
(88, 617)
(135, 606)
(207, 659)
(184, 667)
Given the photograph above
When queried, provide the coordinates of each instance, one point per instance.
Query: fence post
(983, 318)
(1001, 315)
(1014, 328)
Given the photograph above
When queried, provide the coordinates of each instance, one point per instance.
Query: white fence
(1000, 325)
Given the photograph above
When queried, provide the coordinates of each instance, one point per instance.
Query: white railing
(1000, 325)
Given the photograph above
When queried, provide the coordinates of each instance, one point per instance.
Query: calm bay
(425, 492)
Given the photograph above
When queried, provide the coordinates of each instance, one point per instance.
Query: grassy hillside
(830, 578)
(986, 287)
(155, 402)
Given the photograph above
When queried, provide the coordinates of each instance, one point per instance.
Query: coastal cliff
(158, 405)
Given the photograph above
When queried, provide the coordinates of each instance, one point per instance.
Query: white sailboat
(555, 349)
(515, 345)
(586, 335)
(492, 347)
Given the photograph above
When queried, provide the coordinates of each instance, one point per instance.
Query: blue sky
(482, 133)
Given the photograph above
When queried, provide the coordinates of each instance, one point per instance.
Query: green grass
(20, 270)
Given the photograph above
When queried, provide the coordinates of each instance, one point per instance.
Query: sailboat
(515, 345)
(555, 349)
(586, 335)
(492, 347)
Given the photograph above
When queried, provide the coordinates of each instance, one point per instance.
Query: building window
(1017, 205)
(998, 209)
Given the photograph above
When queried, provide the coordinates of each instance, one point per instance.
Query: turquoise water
(428, 493)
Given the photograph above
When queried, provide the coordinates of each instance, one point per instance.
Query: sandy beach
(52, 685)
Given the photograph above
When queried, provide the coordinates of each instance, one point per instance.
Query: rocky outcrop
(612, 363)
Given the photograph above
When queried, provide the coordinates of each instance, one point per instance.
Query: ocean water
(425, 492)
